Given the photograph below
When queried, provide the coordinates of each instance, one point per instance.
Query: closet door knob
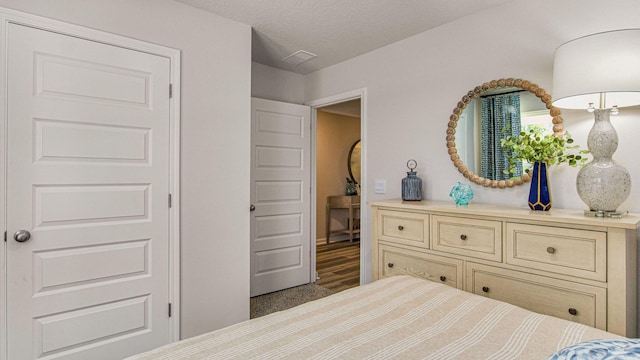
(390, 265)
(573, 311)
(252, 208)
(400, 227)
(485, 289)
(551, 250)
(463, 237)
(22, 236)
(443, 278)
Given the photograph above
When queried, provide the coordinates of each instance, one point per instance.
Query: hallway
(338, 264)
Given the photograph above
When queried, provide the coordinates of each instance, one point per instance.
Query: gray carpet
(285, 299)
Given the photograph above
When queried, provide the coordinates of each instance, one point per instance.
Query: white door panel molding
(280, 196)
(90, 138)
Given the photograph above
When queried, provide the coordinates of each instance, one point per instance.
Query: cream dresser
(559, 263)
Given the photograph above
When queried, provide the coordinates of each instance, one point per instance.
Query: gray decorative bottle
(412, 185)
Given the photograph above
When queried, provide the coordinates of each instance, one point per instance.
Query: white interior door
(88, 178)
(280, 195)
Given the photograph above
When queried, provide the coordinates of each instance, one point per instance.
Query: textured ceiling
(335, 30)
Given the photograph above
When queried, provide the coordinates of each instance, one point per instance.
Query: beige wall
(274, 84)
(414, 84)
(215, 128)
(335, 135)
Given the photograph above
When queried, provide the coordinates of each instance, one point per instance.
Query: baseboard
(334, 238)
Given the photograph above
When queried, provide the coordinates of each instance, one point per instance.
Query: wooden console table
(352, 203)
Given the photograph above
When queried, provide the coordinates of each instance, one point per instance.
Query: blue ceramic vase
(539, 194)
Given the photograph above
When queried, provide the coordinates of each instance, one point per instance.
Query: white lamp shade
(607, 62)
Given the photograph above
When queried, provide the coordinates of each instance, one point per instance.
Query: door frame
(7, 17)
(365, 238)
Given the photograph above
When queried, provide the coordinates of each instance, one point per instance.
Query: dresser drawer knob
(573, 311)
(551, 250)
(400, 227)
(443, 278)
(390, 265)
(463, 237)
(485, 289)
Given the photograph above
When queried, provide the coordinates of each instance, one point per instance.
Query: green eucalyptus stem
(533, 146)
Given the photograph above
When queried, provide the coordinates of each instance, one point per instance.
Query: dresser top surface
(629, 221)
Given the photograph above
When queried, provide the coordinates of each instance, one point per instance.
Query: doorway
(338, 201)
(365, 245)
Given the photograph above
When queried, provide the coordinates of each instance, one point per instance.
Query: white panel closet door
(280, 193)
(88, 177)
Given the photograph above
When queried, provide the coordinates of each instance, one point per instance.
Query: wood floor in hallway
(338, 265)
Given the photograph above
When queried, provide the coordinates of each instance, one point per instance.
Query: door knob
(252, 208)
(22, 236)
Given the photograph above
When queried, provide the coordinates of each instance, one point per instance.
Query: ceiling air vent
(298, 57)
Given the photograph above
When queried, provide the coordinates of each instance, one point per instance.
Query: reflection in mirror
(489, 113)
(353, 162)
(489, 118)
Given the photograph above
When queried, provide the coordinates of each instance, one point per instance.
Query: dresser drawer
(476, 238)
(575, 252)
(397, 261)
(403, 228)
(571, 301)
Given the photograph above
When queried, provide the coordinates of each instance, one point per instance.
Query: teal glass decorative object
(461, 194)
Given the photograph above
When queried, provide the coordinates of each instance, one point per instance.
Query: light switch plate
(380, 186)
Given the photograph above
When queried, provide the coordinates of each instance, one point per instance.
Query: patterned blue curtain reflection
(498, 112)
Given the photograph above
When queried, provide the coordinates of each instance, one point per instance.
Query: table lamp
(600, 73)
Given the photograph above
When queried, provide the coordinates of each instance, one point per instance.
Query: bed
(397, 317)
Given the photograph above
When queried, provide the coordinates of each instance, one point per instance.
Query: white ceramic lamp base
(603, 184)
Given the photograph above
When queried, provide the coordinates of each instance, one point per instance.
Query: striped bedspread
(398, 317)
